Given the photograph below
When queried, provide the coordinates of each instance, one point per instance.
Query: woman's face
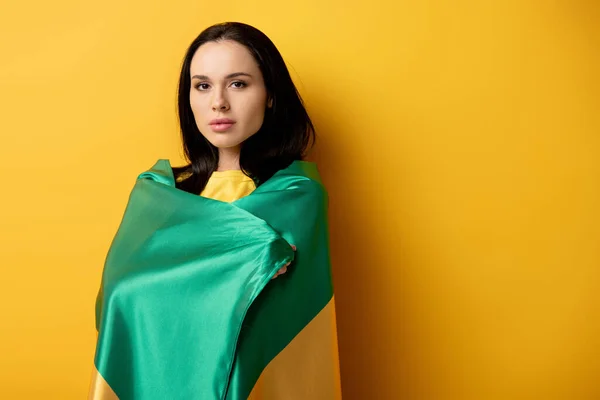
(226, 85)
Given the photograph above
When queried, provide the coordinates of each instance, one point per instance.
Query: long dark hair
(285, 135)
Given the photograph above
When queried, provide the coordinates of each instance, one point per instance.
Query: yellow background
(459, 140)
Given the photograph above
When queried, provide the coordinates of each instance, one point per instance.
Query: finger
(293, 247)
(279, 272)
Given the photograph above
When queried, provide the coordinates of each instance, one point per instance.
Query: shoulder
(303, 178)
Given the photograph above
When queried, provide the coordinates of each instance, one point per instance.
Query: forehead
(217, 59)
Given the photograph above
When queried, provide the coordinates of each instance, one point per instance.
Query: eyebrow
(235, 74)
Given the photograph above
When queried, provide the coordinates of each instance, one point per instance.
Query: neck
(229, 158)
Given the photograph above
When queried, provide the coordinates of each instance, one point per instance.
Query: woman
(185, 309)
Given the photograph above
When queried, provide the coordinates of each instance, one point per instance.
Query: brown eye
(202, 86)
(239, 84)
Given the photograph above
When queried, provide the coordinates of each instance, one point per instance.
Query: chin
(225, 142)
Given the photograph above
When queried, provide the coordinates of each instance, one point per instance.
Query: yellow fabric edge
(99, 388)
(308, 367)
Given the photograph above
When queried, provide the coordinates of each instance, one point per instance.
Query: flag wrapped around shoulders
(187, 308)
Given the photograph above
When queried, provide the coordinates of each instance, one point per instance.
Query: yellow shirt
(228, 186)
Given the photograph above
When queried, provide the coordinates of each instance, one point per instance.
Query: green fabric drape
(187, 308)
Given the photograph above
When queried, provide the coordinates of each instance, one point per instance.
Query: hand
(283, 269)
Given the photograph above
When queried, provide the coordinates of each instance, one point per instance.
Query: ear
(270, 102)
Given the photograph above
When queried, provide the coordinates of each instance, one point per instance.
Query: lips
(221, 124)
(222, 121)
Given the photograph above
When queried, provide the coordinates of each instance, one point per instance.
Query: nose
(220, 103)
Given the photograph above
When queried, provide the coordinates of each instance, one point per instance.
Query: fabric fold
(187, 308)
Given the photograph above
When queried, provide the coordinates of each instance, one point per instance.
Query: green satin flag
(187, 308)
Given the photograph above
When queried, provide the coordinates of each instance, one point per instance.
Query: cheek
(255, 112)
(254, 122)
(197, 108)
(193, 103)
